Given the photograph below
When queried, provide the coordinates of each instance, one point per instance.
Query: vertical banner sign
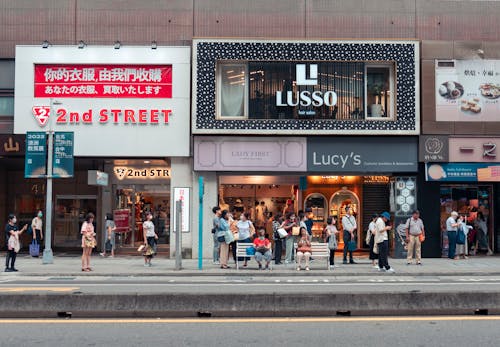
(182, 194)
(122, 220)
(36, 153)
(63, 166)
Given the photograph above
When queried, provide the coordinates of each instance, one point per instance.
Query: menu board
(468, 90)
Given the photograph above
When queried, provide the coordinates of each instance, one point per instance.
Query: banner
(63, 163)
(36, 155)
(122, 220)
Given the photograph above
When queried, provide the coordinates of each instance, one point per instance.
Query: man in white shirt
(382, 240)
(350, 226)
(414, 228)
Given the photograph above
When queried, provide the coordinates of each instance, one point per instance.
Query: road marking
(250, 320)
(37, 289)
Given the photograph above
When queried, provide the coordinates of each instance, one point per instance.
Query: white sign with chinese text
(182, 195)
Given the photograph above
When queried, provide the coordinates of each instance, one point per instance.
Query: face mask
(40, 215)
(261, 237)
(14, 220)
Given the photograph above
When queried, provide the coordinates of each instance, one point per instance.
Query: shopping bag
(34, 249)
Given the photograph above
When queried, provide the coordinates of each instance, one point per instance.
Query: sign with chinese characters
(103, 81)
(132, 173)
(182, 195)
(468, 90)
(457, 172)
(36, 155)
(63, 163)
(116, 101)
(12, 145)
(433, 148)
(474, 149)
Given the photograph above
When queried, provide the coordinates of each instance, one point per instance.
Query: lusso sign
(306, 98)
(362, 154)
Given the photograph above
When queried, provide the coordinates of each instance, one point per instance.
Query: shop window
(232, 91)
(380, 91)
(6, 105)
(335, 91)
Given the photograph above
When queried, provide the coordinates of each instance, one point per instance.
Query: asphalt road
(257, 285)
(352, 332)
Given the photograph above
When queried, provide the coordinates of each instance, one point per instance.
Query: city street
(296, 331)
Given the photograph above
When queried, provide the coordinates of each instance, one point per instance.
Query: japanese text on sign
(126, 81)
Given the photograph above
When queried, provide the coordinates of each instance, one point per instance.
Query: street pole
(47, 252)
(178, 236)
(201, 189)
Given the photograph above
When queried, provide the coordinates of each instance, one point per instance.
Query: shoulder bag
(295, 231)
(282, 233)
(332, 242)
(460, 235)
(351, 246)
(34, 249)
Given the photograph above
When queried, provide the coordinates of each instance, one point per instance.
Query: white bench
(241, 252)
(318, 250)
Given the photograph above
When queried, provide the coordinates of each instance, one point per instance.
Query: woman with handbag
(88, 241)
(262, 249)
(289, 224)
(150, 238)
(331, 238)
(278, 241)
(12, 239)
(303, 249)
(370, 237)
(221, 237)
(245, 231)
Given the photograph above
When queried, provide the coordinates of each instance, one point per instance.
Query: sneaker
(307, 268)
(376, 267)
(489, 253)
(390, 270)
(332, 267)
(298, 269)
(8, 269)
(216, 262)
(146, 265)
(102, 254)
(381, 269)
(149, 264)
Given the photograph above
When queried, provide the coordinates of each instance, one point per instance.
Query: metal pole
(47, 252)
(200, 223)
(178, 236)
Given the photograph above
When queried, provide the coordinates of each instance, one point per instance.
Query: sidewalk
(70, 265)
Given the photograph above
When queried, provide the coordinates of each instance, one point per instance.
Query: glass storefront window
(70, 213)
(379, 90)
(232, 101)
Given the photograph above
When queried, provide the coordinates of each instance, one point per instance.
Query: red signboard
(103, 81)
(121, 219)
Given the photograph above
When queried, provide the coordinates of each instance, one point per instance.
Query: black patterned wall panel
(208, 53)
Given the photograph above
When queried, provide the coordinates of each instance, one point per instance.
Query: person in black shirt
(12, 230)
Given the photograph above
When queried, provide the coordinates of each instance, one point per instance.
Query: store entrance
(138, 200)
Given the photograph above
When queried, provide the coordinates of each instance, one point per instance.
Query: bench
(241, 252)
(318, 250)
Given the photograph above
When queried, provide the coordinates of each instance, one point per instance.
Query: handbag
(282, 233)
(262, 250)
(221, 238)
(228, 236)
(250, 251)
(368, 237)
(34, 249)
(141, 248)
(375, 248)
(421, 237)
(332, 243)
(295, 231)
(351, 246)
(460, 236)
(108, 247)
(236, 236)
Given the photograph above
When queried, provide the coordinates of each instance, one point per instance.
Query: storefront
(128, 109)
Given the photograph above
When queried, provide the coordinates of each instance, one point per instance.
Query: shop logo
(122, 172)
(433, 145)
(41, 114)
(306, 97)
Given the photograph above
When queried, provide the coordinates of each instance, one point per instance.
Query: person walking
(88, 241)
(109, 235)
(350, 227)
(245, 232)
(331, 232)
(303, 249)
(278, 241)
(372, 231)
(150, 238)
(452, 224)
(215, 227)
(382, 240)
(12, 234)
(289, 224)
(414, 230)
(36, 227)
(221, 237)
(482, 241)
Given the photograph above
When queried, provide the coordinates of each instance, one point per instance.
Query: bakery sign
(467, 90)
(116, 101)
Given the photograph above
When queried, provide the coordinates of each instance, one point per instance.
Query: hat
(386, 215)
(454, 213)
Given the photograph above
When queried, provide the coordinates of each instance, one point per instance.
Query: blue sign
(453, 172)
(36, 155)
(63, 164)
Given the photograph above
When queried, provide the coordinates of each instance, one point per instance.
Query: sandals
(86, 270)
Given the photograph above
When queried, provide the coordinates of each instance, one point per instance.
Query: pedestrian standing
(215, 227)
(150, 238)
(109, 236)
(452, 224)
(382, 240)
(331, 232)
(278, 241)
(246, 231)
(372, 231)
(482, 241)
(88, 241)
(289, 224)
(414, 230)
(36, 227)
(221, 237)
(12, 241)
(350, 227)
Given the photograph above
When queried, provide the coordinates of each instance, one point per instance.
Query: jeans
(347, 238)
(11, 258)
(383, 252)
(266, 256)
(452, 244)
(289, 248)
(278, 246)
(216, 248)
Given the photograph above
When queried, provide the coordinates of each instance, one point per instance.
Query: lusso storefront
(129, 111)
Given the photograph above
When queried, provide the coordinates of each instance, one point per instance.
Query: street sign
(63, 155)
(36, 152)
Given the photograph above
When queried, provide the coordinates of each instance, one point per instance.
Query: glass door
(70, 212)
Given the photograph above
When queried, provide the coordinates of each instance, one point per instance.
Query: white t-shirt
(381, 232)
(349, 223)
(243, 229)
(36, 223)
(149, 227)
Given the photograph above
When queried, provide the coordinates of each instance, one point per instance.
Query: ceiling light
(118, 44)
